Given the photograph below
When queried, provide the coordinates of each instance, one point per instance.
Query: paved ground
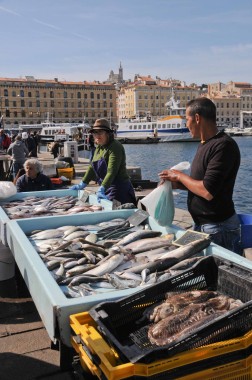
(25, 348)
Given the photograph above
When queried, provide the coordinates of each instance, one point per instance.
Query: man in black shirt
(212, 179)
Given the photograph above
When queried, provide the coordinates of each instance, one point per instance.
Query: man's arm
(183, 181)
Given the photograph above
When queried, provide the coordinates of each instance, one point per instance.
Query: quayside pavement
(25, 347)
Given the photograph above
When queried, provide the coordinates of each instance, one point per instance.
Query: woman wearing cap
(33, 179)
(108, 166)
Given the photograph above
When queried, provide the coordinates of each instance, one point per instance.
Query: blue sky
(192, 40)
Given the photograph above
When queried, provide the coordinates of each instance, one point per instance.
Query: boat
(168, 128)
(63, 132)
(247, 131)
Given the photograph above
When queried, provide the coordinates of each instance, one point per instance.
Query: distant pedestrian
(5, 140)
(91, 146)
(37, 139)
(55, 149)
(30, 144)
(19, 153)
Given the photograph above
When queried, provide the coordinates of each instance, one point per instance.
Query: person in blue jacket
(33, 179)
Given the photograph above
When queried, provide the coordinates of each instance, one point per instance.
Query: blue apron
(120, 190)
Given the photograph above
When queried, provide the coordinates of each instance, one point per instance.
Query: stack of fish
(87, 259)
(31, 207)
(182, 313)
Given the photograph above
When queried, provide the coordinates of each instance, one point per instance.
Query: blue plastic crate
(246, 230)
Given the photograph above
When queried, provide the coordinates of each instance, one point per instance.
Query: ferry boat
(62, 132)
(169, 128)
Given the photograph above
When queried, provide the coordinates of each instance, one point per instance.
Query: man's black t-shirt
(216, 163)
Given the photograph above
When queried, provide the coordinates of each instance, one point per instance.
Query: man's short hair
(202, 106)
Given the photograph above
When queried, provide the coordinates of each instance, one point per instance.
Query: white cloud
(45, 24)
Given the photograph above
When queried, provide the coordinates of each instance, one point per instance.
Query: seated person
(33, 179)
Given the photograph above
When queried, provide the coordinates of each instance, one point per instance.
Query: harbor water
(153, 158)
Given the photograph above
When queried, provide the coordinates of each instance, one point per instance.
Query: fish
(149, 244)
(188, 250)
(120, 283)
(178, 301)
(79, 269)
(137, 235)
(76, 234)
(48, 234)
(107, 266)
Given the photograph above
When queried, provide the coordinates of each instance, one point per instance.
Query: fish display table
(52, 304)
(4, 218)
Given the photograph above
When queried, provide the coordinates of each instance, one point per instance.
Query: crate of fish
(231, 358)
(47, 203)
(54, 264)
(210, 302)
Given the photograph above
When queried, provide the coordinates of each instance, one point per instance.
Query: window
(78, 95)
(14, 94)
(98, 96)
(29, 94)
(5, 92)
(51, 94)
(104, 95)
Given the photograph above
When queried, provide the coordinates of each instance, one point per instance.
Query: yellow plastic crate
(99, 358)
(66, 172)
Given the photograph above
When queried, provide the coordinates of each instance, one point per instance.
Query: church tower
(120, 75)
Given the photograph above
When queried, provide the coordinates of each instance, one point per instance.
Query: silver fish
(107, 266)
(76, 235)
(48, 234)
(187, 250)
(137, 235)
(120, 283)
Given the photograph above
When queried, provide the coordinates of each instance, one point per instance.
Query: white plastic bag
(184, 165)
(160, 203)
(7, 189)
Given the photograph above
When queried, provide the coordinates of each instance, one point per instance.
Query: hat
(24, 135)
(102, 124)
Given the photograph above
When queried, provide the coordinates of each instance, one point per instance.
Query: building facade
(148, 96)
(233, 102)
(32, 101)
